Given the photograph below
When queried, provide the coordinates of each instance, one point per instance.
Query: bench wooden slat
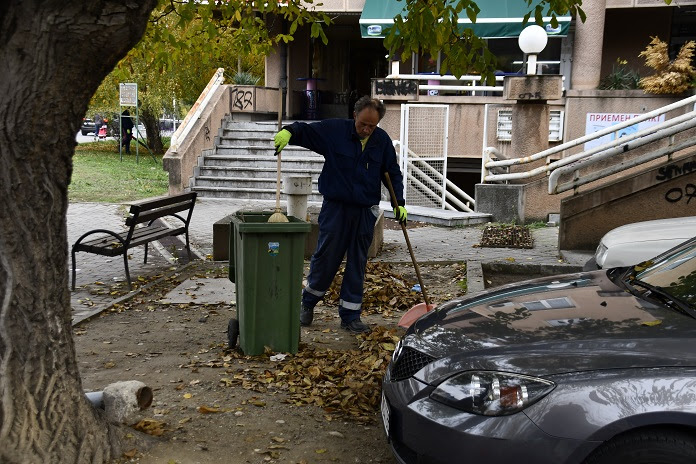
(164, 201)
(149, 215)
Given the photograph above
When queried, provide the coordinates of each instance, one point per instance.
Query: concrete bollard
(122, 400)
(297, 188)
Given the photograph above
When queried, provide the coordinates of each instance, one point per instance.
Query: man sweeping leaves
(357, 153)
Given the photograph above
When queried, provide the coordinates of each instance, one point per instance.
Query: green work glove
(400, 214)
(281, 139)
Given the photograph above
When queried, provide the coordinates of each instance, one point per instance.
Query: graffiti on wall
(679, 194)
(396, 89)
(242, 99)
(674, 170)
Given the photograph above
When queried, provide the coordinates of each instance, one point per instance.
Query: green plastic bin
(266, 262)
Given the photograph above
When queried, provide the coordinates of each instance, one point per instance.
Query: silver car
(595, 367)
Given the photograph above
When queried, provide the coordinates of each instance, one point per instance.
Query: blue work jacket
(350, 174)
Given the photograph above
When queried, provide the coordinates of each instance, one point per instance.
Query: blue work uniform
(350, 182)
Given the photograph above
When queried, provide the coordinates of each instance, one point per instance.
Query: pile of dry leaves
(345, 383)
(384, 291)
(506, 235)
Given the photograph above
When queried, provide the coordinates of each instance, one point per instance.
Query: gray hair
(367, 102)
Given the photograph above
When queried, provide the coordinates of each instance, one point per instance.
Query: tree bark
(54, 54)
(151, 122)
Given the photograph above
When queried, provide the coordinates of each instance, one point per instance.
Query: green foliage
(245, 78)
(620, 78)
(432, 27)
(250, 28)
(463, 285)
(536, 225)
(99, 175)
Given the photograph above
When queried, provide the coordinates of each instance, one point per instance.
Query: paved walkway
(101, 280)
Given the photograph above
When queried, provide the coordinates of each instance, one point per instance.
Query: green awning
(497, 19)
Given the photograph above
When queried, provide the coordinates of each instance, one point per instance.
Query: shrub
(675, 76)
(244, 78)
(620, 78)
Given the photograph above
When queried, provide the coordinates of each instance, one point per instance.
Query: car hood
(569, 323)
(674, 230)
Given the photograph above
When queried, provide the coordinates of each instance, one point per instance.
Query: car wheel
(232, 333)
(84, 132)
(647, 447)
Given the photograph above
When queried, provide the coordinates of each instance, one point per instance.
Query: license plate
(386, 414)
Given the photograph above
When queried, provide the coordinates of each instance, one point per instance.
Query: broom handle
(280, 127)
(278, 186)
(395, 203)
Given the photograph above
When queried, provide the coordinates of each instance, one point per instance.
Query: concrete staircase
(242, 165)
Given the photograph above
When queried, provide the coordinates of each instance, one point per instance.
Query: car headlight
(491, 393)
(601, 254)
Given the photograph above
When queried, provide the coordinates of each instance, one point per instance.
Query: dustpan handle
(395, 204)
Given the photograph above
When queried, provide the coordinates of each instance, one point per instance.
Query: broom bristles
(278, 217)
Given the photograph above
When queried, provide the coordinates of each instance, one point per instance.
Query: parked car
(632, 243)
(87, 127)
(595, 367)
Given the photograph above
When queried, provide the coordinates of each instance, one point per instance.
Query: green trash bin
(266, 262)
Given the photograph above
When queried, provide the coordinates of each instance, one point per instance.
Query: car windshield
(672, 274)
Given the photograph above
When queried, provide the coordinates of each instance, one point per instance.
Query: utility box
(266, 261)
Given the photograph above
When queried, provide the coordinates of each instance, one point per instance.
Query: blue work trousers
(344, 230)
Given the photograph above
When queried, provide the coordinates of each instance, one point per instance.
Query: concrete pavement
(101, 280)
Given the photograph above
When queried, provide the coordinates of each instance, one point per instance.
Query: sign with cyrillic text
(595, 122)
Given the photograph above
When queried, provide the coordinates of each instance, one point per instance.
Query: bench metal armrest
(100, 231)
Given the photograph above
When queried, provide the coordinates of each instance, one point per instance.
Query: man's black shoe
(356, 326)
(306, 315)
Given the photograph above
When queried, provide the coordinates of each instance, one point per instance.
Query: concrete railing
(196, 133)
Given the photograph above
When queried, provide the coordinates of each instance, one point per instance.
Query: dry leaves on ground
(384, 292)
(345, 383)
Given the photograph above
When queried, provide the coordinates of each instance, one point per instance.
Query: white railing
(470, 83)
(434, 180)
(197, 109)
(469, 86)
(653, 133)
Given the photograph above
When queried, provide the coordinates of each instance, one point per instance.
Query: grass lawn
(100, 176)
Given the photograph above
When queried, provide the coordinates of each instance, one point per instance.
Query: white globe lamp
(532, 41)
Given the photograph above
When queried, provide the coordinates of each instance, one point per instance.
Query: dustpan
(413, 314)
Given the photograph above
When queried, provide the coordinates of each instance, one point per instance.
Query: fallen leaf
(207, 410)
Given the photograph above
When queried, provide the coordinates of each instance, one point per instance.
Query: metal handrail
(555, 187)
(579, 141)
(437, 188)
(436, 77)
(472, 87)
(197, 109)
(666, 128)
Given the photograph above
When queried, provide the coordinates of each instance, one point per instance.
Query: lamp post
(532, 41)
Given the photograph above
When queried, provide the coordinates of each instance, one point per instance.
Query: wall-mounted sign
(595, 122)
(374, 29)
(395, 89)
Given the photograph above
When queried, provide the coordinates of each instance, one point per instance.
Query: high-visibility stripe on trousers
(344, 230)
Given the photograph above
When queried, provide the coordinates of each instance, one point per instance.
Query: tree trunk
(151, 123)
(54, 54)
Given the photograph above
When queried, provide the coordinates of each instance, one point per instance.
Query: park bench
(141, 230)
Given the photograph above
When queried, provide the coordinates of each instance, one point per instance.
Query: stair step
(244, 193)
(242, 164)
(246, 182)
(242, 172)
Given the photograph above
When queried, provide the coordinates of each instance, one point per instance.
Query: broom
(278, 216)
